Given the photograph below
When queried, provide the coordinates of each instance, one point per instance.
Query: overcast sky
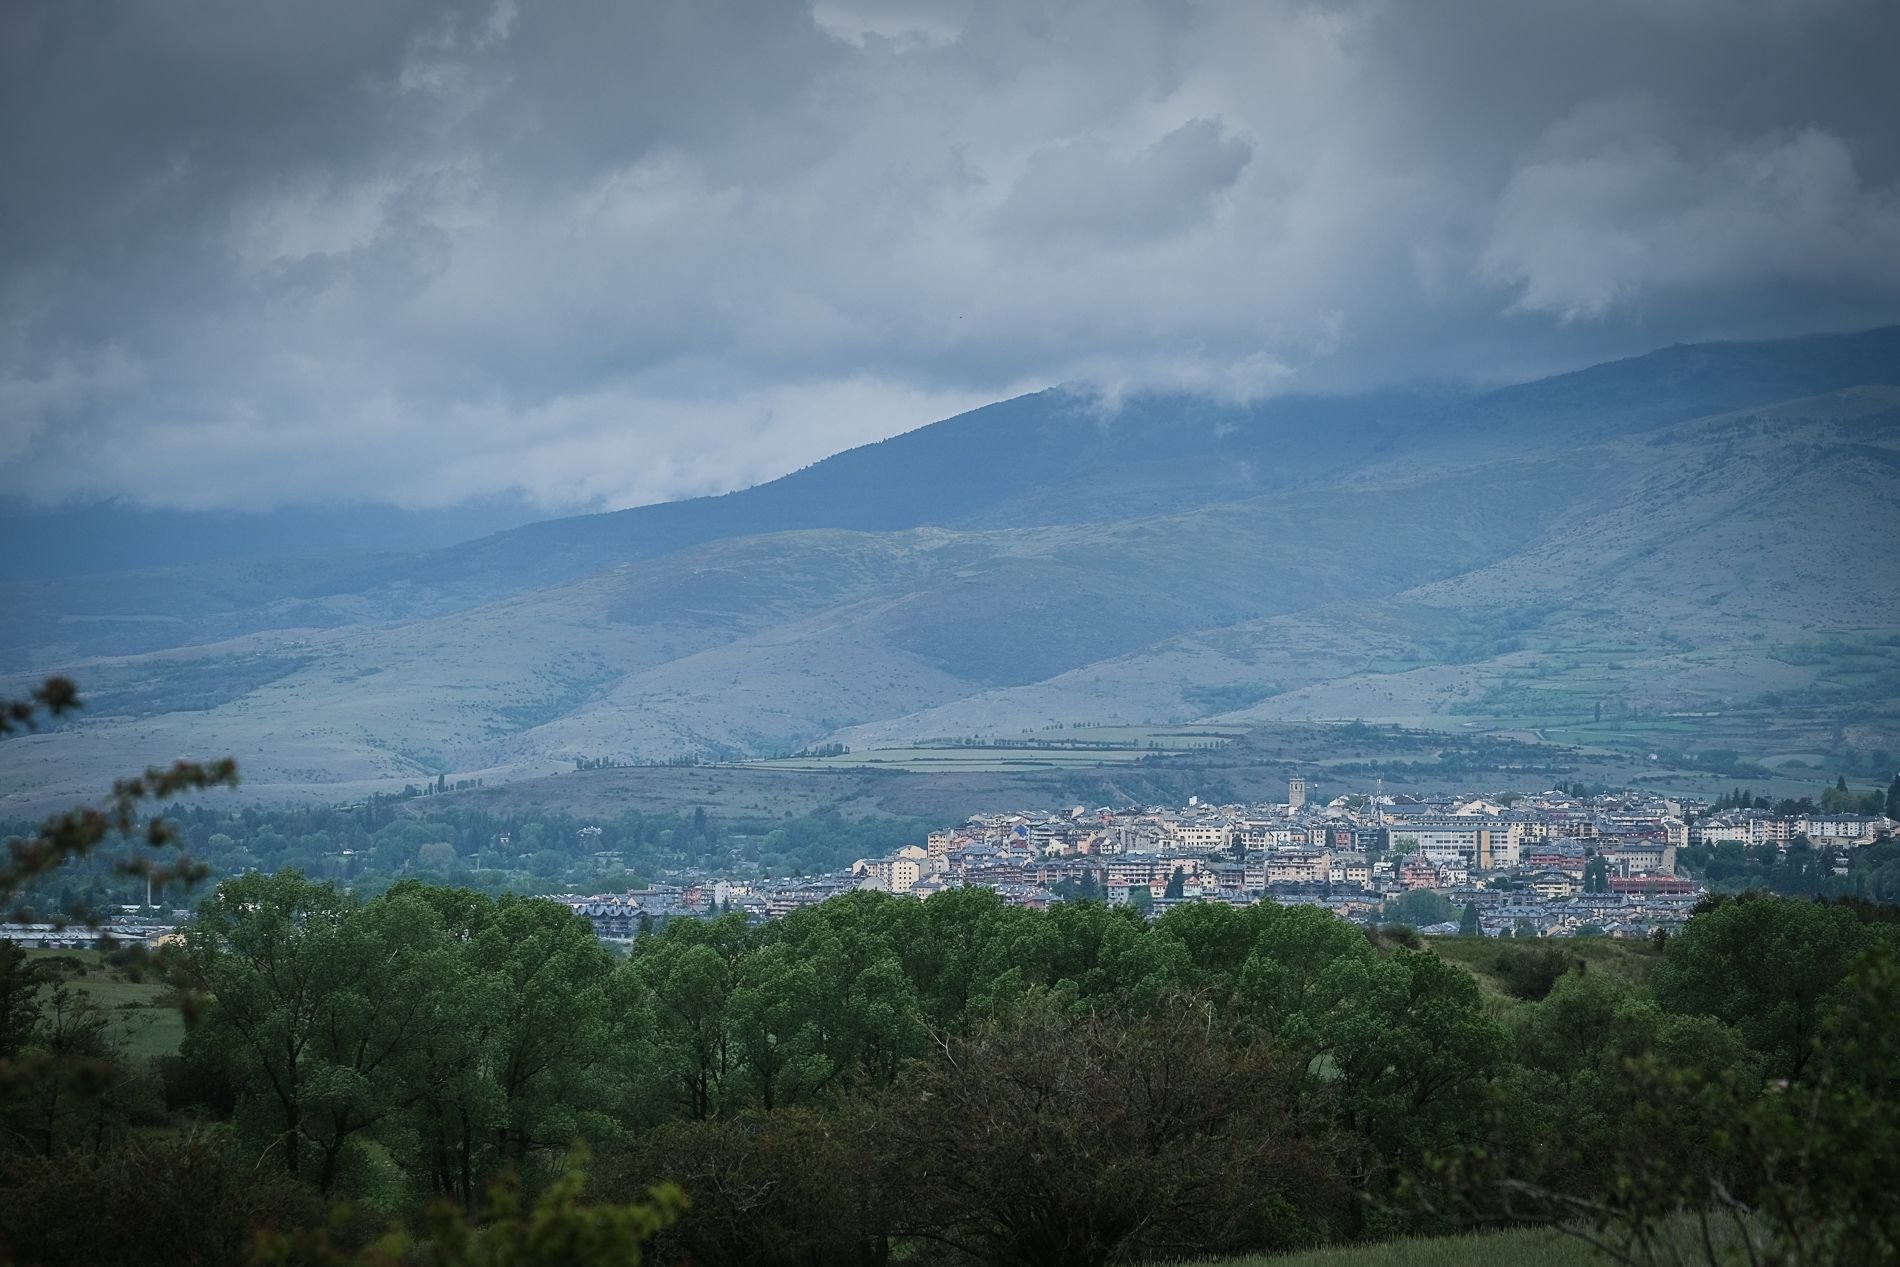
(600, 253)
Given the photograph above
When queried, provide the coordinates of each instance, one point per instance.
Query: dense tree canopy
(1768, 969)
(1217, 1079)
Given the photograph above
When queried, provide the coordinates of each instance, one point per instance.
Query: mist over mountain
(1058, 456)
(46, 545)
(1675, 533)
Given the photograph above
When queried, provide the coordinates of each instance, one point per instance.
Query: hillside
(1051, 457)
(1678, 572)
(1706, 531)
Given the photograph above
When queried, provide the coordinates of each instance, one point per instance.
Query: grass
(1078, 747)
(1532, 1247)
(1519, 1247)
(140, 1013)
(1620, 957)
(955, 760)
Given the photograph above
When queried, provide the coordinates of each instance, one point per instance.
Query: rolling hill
(1691, 549)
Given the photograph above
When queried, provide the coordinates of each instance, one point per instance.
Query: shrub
(1531, 974)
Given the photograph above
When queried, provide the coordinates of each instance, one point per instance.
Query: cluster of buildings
(1760, 827)
(1551, 864)
(128, 926)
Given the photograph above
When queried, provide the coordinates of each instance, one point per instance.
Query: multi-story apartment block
(1480, 843)
(1351, 869)
(1299, 867)
(1203, 836)
(1843, 829)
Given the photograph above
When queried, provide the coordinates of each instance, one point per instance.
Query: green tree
(688, 973)
(1097, 958)
(67, 1086)
(21, 981)
(526, 1063)
(1177, 884)
(61, 1076)
(866, 1012)
(1766, 966)
(1300, 975)
(316, 1002)
(1414, 1051)
(1218, 938)
(1712, 1170)
(773, 1019)
(1421, 907)
(1468, 922)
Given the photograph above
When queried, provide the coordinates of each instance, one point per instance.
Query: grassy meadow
(140, 1012)
(1525, 1247)
(1517, 1247)
(1078, 747)
(1619, 957)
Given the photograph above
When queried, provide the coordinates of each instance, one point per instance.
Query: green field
(971, 760)
(142, 1017)
(1064, 748)
(1520, 1247)
(1539, 1247)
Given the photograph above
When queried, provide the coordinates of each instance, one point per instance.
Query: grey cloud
(599, 253)
(1083, 190)
(1581, 235)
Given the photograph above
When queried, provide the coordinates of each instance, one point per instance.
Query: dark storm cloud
(607, 252)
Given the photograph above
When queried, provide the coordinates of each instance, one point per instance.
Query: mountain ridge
(1502, 571)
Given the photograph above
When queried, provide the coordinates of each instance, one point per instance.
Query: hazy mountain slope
(764, 644)
(1059, 456)
(407, 701)
(1349, 560)
(1728, 539)
(46, 545)
(1052, 457)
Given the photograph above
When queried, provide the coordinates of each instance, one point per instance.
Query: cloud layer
(599, 253)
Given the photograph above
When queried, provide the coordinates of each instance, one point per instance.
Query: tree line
(877, 1079)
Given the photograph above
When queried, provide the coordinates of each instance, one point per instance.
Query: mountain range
(1693, 549)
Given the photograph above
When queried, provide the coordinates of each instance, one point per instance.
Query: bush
(1076, 1141)
(176, 1201)
(1531, 974)
(190, 1084)
(786, 1188)
(1402, 935)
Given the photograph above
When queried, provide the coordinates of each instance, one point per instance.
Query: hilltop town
(1555, 864)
